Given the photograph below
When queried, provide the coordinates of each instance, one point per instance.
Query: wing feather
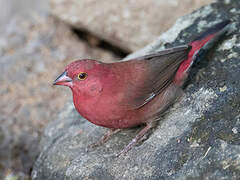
(157, 71)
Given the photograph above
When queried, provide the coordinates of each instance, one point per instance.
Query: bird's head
(83, 77)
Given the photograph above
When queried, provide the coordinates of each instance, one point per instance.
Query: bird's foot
(105, 138)
(136, 139)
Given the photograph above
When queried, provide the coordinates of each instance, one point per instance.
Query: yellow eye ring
(82, 76)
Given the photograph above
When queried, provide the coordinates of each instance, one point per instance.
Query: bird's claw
(139, 136)
(128, 147)
(104, 139)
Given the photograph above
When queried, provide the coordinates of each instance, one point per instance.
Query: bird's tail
(208, 39)
(202, 44)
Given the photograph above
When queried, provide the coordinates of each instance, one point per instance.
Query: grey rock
(198, 138)
(127, 24)
(34, 48)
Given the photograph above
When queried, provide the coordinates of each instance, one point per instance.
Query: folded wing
(152, 74)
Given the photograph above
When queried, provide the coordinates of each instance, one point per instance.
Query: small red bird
(129, 93)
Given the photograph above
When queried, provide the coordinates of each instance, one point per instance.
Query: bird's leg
(137, 138)
(105, 138)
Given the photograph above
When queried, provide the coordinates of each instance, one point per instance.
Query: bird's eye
(82, 76)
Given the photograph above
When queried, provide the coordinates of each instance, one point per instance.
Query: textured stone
(198, 138)
(33, 49)
(129, 24)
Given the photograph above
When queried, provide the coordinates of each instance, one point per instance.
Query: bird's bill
(63, 80)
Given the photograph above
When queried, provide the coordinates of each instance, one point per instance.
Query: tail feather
(208, 39)
(216, 28)
(200, 46)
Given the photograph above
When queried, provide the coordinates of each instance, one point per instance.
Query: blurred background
(38, 38)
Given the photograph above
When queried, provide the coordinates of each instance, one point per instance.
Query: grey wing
(163, 67)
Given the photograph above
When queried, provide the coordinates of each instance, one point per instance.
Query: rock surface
(199, 137)
(129, 24)
(34, 47)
